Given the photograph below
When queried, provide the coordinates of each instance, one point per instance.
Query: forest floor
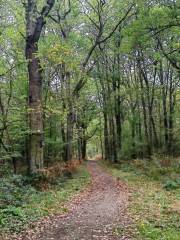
(131, 200)
(154, 202)
(99, 213)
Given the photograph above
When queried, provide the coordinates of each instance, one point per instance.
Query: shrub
(172, 184)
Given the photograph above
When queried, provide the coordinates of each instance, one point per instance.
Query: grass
(21, 205)
(153, 207)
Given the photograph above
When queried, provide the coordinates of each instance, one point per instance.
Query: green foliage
(113, 86)
(148, 231)
(21, 204)
(14, 190)
(154, 210)
(172, 184)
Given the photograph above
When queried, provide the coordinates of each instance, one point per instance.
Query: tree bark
(34, 26)
(164, 103)
(83, 147)
(69, 135)
(35, 108)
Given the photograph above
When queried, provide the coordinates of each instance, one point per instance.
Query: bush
(14, 191)
(172, 184)
(4, 169)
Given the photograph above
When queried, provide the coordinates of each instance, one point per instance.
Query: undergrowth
(21, 203)
(154, 198)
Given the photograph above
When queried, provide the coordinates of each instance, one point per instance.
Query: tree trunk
(79, 149)
(70, 123)
(101, 140)
(145, 119)
(164, 103)
(84, 144)
(63, 134)
(171, 115)
(34, 24)
(106, 137)
(35, 108)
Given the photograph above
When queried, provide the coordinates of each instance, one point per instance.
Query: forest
(89, 105)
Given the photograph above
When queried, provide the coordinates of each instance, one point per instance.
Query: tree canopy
(83, 78)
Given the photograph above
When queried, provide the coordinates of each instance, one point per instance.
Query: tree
(34, 26)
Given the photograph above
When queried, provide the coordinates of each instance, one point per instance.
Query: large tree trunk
(34, 24)
(35, 108)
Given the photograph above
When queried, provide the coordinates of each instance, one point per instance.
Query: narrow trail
(101, 214)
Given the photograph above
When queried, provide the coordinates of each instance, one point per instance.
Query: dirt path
(100, 215)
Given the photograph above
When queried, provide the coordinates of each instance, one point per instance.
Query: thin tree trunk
(106, 137)
(69, 135)
(63, 134)
(171, 114)
(164, 103)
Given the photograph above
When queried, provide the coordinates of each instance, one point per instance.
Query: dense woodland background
(88, 77)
